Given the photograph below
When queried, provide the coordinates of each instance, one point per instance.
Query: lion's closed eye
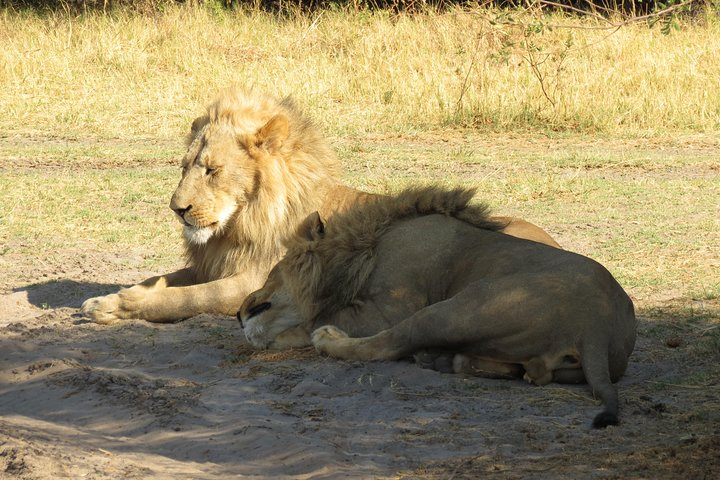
(258, 309)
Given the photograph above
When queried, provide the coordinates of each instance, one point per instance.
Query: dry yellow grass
(124, 75)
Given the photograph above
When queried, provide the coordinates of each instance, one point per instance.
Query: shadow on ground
(65, 293)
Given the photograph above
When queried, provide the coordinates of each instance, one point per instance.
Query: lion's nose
(182, 211)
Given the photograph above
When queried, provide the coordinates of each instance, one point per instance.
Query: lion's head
(252, 162)
(286, 300)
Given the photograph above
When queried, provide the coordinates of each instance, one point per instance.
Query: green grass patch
(113, 209)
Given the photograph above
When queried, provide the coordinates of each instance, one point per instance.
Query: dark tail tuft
(603, 419)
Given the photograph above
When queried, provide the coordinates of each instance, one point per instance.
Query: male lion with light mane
(254, 168)
(426, 272)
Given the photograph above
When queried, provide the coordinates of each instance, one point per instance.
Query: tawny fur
(272, 168)
(338, 266)
(427, 270)
(255, 166)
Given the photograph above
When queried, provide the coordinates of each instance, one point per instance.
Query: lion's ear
(199, 123)
(195, 128)
(312, 228)
(272, 135)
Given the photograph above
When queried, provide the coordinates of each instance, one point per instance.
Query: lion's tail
(596, 367)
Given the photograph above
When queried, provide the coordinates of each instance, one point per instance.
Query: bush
(598, 6)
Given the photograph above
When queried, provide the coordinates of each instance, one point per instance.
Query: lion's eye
(210, 171)
(258, 309)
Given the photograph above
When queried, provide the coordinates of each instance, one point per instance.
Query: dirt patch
(691, 458)
(192, 399)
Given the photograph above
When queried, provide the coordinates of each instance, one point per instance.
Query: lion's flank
(346, 253)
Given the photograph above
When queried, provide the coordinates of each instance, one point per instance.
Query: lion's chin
(197, 236)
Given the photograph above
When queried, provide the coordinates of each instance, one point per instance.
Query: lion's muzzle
(181, 215)
(182, 211)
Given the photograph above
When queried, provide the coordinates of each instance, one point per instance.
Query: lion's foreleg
(180, 278)
(157, 300)
(330, 340)
(127, 303)
(222, 296)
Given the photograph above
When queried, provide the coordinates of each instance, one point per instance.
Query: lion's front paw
(110, 308)
(328, 333)
(101, 309)
(325, 336)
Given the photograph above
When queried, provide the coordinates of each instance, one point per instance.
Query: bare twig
(464, 86)
(536, 59)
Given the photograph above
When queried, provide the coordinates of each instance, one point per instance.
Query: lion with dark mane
(255, 167)
(428, 273)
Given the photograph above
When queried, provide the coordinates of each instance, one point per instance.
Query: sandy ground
(192, 400)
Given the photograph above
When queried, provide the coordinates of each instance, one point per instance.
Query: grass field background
(608, 138)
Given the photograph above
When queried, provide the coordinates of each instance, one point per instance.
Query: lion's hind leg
(438, 360)
(569, 375)
(563, 366)
(537, 371)
(445, 325)
(482, 367)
